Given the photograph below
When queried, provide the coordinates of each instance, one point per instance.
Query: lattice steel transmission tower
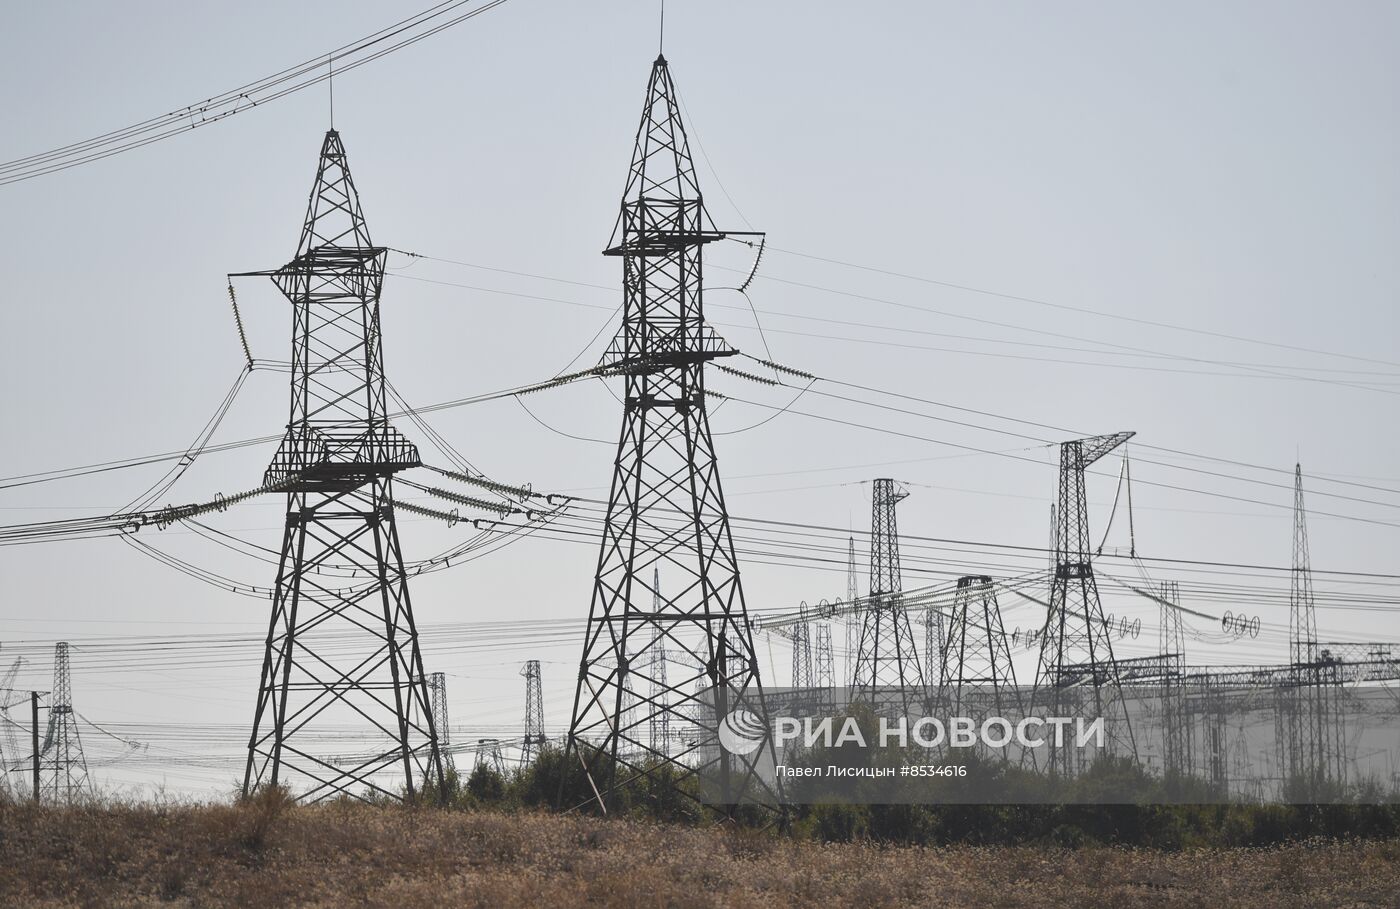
(977, 654)
(802, 675)
(437, 694)
(63, 768)
(1302, 608)
(661, 719)
(1313, 758)
(666, 507)
(853, 616)
(1176, 723)
(886, 657)
(1076, 650)
(823, 662)
(340, 654)
(534, 712)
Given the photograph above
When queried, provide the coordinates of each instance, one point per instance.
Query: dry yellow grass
(364, 856)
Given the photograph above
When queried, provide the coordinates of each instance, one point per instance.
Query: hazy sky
(1225, 167)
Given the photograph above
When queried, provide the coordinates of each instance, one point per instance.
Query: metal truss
(340, 654)
(666, 509)
(887, 662)
(1076, 670)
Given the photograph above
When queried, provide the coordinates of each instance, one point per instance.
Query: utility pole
(666, 506)
(1076, 649)
(338, 654)
(886, 656)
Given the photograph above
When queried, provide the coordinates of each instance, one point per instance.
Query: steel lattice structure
(534, 712)
(823, 663)
(886, 657)
(337, 462)
(62, 765)
(666, 507)
(1076, 650)
(802, 669)
(853, 617)
(437, 694)
(660, 720)
(1311, 724)
(1176, 724)
(977, 653)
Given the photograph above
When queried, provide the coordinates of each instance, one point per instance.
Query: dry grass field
(270, 855)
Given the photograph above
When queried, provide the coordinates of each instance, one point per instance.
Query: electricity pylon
(886, 656)
(853, 616)
(338, 654)
(1076, 650)
(802, 652)
(1171, 647)
(534, 712)
(1312, 721)
(977, 655)
(660, 720)
(63, 767)
(823, 664)
(666, 507)
(437, 693)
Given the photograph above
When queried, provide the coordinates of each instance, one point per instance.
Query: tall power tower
(977, 655)
(886, 656)
(1076, 673)
(1308, 700)
(854, 617)
(823, 663)
(666, 507)
(340, 654)
(437, 693)
(802, 669)
(64, 773)
(660, 720)
(534, 712)
(1302, 608)
(1171, 647)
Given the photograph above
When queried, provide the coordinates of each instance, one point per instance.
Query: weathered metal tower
(666, 507)
(63, 767)
(977, 655)
(1076, 674)
(534, 712)
(337, 463)
(437, 694)
(886, 656)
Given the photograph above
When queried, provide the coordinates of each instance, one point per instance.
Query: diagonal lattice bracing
(675, 659)
(343, 706)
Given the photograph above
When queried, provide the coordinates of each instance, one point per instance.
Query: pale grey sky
(1228, 167)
